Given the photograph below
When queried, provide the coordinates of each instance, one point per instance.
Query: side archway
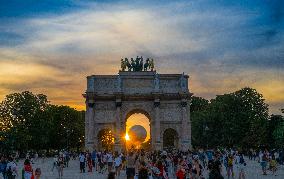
(170, 138)
(105, 139)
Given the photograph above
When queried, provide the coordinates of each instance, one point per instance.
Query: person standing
(263, 162)
(60, 165)
(230, 171)
(28, 170)
(37, 173)
(11, 169)
(3, 165)
(109, 161)
(117, 164)
(82, 160)
(94, 156)
(273, 165)
(89, 162)
(130, 168)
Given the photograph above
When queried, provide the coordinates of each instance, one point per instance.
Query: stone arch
(136, 110)
(170, 138)
(141, 109)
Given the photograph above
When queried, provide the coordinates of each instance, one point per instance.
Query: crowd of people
(140, 164)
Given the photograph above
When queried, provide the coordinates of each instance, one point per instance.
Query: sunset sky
(50, 46)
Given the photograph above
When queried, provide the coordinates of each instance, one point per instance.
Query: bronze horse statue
(147, 64)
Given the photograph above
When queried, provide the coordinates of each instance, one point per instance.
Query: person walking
(82, 160)
(60, 166)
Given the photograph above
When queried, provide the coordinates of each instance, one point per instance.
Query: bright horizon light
(127, 137)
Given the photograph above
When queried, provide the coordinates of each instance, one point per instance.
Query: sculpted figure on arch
(137, 64)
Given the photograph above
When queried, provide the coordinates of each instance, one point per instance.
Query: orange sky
(52, 53)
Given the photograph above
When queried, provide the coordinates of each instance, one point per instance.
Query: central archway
(138, 122)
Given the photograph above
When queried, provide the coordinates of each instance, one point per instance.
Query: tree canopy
(29, 121)
(235, 119)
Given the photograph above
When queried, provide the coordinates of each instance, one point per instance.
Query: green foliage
(29, 121)
(198, 110)
(235, 119)
(274, 129)
(278, 135)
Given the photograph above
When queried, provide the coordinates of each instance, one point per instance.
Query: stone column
(189, 124)
(153, 134)
(90, 116)
(157, 125)
(87, 124)
(117, 135)
(185, 141)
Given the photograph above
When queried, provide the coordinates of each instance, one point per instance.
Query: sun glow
(127, 138)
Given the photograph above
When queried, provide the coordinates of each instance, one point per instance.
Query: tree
(254, 113)
(273, 124)
(278, 135)
(198, 114)
(234, 119)
(29, 121)
(67, 127)
(20, 114)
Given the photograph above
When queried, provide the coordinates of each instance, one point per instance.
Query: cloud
(222, 45)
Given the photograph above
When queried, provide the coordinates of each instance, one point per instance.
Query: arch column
(89, 119)
(185, 140)
(117, 134)
(157, 129)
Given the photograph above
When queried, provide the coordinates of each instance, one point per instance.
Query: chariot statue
(137, 64)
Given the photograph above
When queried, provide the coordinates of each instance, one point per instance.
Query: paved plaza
(253, 171)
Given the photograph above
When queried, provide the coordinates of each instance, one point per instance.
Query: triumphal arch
(138, 88)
